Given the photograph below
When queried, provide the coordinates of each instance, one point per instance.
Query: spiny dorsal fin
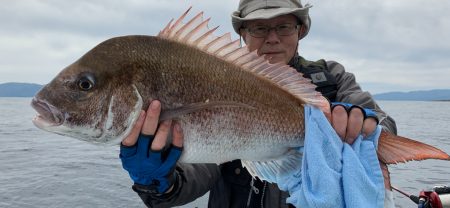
(197, 34)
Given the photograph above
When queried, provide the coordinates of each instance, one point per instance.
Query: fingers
(175, 151)
(178, 135)
(131, 139)
(148, 134)
(152, 118)
(369, 126)
(161, 136)
(339, 120)
(150, 127)
(160, 140)
(146, 124)
(349, 124)
(354, 125)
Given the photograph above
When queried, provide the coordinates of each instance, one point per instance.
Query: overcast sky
(390, 45)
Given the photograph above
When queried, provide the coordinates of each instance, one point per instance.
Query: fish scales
(192, 76)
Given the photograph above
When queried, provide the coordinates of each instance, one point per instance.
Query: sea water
(40, 169)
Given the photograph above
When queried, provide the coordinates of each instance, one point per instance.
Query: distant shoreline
(31, 96)
(16, 89)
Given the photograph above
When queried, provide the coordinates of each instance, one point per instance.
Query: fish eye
(86, 83)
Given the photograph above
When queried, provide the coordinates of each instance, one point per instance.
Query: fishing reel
(438, 197)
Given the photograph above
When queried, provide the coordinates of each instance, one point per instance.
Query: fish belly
(221, 135)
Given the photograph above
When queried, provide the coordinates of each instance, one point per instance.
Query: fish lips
(47, 114)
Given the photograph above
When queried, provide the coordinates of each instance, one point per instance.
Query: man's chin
(276, 59)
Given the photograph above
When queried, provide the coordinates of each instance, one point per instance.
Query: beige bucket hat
(267, 9)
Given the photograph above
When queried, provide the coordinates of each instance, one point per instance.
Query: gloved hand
(350, 120)
(147, 167)
(142, 152)
(368, 113)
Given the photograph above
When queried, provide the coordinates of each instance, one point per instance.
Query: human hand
(141, 151)
(351, 120)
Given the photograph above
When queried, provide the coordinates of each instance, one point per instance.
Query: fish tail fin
(394, 149)
(271, 169)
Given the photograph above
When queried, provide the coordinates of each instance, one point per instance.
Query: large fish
(230, 103)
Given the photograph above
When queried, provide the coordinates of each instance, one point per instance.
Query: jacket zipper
(262, 194)
(252, 189)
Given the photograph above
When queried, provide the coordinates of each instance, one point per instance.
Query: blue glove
(148, 168)
(367, 112)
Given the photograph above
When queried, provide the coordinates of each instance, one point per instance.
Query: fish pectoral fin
(288, 164)
(394, 149)
(194, 107)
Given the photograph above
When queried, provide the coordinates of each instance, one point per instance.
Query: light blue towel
(335, 174)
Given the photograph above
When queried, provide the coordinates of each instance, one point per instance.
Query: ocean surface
(40, 169)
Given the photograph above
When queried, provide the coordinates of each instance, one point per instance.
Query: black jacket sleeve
(193, 181)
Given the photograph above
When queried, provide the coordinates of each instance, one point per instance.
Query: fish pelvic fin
(196, 33)
(394, 149)
(288, 164)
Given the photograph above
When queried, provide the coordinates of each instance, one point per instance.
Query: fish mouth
(47, 114)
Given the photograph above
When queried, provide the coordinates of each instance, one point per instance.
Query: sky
(401, 45)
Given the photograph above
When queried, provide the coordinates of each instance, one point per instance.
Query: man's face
(277, 48)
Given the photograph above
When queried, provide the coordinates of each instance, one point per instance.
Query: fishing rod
(438, 197)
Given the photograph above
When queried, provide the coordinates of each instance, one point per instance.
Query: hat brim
(301, 13)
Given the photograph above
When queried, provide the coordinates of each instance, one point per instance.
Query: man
(274, 29)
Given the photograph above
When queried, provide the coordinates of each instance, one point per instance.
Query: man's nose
(272, 37)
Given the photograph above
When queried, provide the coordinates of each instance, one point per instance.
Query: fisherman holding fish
(273, 29)
(195, 112)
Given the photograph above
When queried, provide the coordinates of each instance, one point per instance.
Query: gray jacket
(230, 185)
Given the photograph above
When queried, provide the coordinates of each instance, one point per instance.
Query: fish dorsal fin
(195, 33)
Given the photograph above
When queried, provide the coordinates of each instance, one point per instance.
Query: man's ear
(301, 31)
(242, 33)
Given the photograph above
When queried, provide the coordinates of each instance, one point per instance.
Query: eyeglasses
(261, 31)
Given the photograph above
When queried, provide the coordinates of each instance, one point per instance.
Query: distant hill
(428, 95)
(14, 89)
